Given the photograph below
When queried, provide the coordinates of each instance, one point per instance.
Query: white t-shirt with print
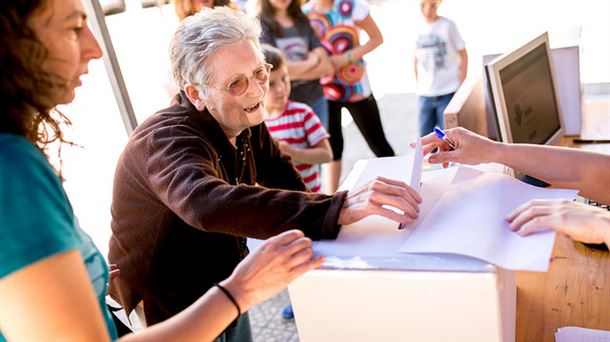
(436, 47)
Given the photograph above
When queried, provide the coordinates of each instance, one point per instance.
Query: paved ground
(267, 322)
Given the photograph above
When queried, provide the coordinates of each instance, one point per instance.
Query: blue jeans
(320, 107)
(431, 109)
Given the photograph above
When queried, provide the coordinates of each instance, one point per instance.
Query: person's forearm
(560, 166)
(296, 69)
(355, 54)
(375, 38)
(313, 155)
(360, 51)
(319, 70)
(323, 68)
(204, 320)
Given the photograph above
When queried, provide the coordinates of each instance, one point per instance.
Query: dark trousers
(366, 116)
(238, 331)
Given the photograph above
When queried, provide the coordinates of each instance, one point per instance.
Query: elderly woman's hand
(267, 271)
(371, 198)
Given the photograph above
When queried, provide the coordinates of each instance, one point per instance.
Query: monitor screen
(523, 94)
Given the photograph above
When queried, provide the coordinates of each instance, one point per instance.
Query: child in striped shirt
(293, 124)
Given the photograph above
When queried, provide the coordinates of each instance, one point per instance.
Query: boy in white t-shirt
(294, 124)
(440, 62)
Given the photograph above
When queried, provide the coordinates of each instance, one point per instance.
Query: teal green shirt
(36, 218)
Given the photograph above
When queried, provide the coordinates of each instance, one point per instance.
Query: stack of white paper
(469, 220)
(462, 213)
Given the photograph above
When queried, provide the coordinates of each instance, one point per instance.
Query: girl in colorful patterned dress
(338, 23)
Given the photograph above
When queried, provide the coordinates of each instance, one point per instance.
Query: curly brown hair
(27, 99)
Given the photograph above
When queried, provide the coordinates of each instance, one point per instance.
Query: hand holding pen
(441, 135)
(459, 145)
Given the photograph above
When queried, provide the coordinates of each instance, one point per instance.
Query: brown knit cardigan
(184, 199)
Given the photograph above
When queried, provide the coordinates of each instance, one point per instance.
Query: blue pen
(441, 135)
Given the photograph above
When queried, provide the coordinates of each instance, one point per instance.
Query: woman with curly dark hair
(52, 278)
(27, 91)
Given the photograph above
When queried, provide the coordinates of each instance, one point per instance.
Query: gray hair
(200, 36)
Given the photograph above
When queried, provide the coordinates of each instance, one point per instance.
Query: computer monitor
(523, 94)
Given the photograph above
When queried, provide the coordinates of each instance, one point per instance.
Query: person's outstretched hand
(581, 222)
(371, 198)
(470, 148)
(277, 262)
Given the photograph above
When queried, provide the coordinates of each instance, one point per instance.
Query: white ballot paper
(469, 220)
(418, 164)
(377, 236)
(416, 171)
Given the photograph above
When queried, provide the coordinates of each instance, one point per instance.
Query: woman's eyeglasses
(240, 84)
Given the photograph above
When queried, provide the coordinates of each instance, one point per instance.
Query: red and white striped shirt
(300, 127)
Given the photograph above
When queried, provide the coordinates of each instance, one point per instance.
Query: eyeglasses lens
(241, 83)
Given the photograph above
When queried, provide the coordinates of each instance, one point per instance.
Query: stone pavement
(267, 323)
(399, 119)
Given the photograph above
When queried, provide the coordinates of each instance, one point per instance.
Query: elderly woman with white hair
(198, 177)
